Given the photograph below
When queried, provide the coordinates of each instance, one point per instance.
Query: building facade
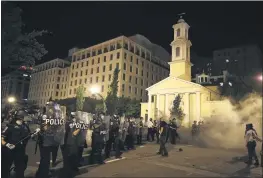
(140, 67)
(49, 80)
(15, 84)
(141, 64)
(240, 60)
(196, 98)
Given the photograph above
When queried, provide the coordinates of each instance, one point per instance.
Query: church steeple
(180, 66)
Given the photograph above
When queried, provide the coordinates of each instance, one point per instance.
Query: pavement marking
(141, 146)
(187, 169)
(113, 160)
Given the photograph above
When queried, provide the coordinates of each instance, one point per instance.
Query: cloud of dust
(226, 127)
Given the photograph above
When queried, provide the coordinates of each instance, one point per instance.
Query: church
(197, 101)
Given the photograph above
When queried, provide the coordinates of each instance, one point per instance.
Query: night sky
(213, 24)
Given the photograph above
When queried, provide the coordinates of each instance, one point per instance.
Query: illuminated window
(177, 51)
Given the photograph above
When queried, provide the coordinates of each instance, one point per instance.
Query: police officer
(157, 130)
(139, 133)
(14, 140)
(251, 137)
(164, 129)
(98, 137)
(130, 136)
(71, 146)
(50, 138)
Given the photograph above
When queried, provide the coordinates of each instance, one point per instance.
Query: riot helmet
(19, 116)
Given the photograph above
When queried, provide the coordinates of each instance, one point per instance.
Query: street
(192, 161)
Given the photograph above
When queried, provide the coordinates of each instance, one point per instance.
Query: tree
(16, 45)
(112, 98)
(133, 109)
(176, 109)
(80, 98)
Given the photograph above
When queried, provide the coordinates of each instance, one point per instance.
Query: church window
(178, 32)
(177, 50)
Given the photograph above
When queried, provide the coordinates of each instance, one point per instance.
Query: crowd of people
(109, 133)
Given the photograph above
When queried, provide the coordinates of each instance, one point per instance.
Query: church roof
(184, 81)
(156, 50)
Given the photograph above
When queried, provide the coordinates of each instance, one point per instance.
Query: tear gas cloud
(226, 127)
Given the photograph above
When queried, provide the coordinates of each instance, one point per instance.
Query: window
(142, 63)
(137, 61)
(92, 62)
(130, 79)
(102, 88)
(130, 68)
(87, 63)
(136, 80)
(142, 73)
(118, 55)
(117, 65)
(111, 56)
(98, 69)
(97, 79)
(110, 77)
(91, 72)
(177, 51)
(136, 70)
(74, 90)
(56, 93)
(80, 73)
(147, 74)
(76, 82)
(130, 89)
(86, 71)
(103, 78)
(59, 72)
(57, 86)
(82, 64)
(70, 91)
(110, 67)
(178, 32)
(123, 77)
(141, 82)
(105, 58)
(98, 60)
(124, 66)
(90, 81)
(85, 81)
(71, 83)
(125, 55)
(76, 74)
(77, 66)
(131, 58)
(104, 68)
(80, 81)
(135, 90)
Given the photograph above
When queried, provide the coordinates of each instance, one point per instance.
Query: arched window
(177, 51)
(178, 32)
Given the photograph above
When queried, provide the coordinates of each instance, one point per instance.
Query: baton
(27, 137)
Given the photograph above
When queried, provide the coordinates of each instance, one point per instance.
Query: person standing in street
(14, 141)
(164, 129)
(194, 131)
(156, 130)
(251, 138)
(139, 133)
(150, 130)
(173, 131)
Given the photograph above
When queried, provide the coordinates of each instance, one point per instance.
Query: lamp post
(95, 91)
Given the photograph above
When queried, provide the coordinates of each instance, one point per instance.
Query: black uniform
(70, 151)
(114, 139)
(50, 141)
(173, 132)
(12, 134)
(157, 131)
(130, 136)
(98, 135)
(163, 138)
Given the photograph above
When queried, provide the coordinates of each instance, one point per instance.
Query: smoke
(226, 127)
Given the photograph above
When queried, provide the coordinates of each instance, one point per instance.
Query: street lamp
(95, 91)
(259, 77)
(11, 99)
